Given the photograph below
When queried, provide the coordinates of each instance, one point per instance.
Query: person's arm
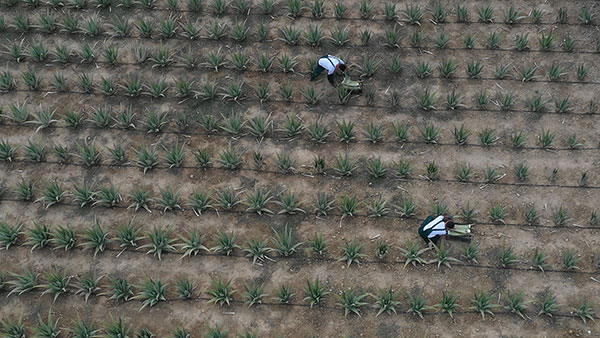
(439, 229)
(437, 232)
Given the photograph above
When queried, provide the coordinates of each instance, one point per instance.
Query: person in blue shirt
(332, 64)
(432, 229)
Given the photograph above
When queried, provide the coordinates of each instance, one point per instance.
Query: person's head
(341, 67)
(449, 221)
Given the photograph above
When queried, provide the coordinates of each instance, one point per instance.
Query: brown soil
(298, 319)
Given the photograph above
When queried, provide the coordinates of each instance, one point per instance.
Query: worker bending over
(432, 229)
(332, 64)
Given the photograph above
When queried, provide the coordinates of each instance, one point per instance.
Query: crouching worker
(432, 229)
(332, 64)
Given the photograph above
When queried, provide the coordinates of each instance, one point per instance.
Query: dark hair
(342, 67)
(450, 224)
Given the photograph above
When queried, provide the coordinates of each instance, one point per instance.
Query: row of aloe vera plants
(48, 327)
(237, 91)
(172, 27)
(88, 154)
(260, 200)
(239, 59)
(152, 291)
(414, 14)
(265, 126)
(159, 241)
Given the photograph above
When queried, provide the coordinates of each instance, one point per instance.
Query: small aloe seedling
(507, 256)
(185, 288)
(413, 14)
(498, 212)
(548, 305)
(56, 284)
(352, 252)
(471, 252)
(283, 242)
(461, 135)
(254, 294)
(386, 301)
(323, 204)
(349, 205)
(151, 292)
(407, 207)
(257, 201)
(547, 41)
(468, 213)
(200, 201)
(95, 238)
(430, 133)
(539, 259)
(108, 196)
(86, 286)
(290, 203)
(518, 139)
(531, 215)
(560, 216)
(442, 257)
(159, 242)
(140, 199)
(522, 171)
(483, 304)
(345, 166)
(515, 304)
(128, 236)
(426, 99)
(24, 190)
(448, 303)
(315, 292)
(464, 172)
(378, 207)
(63, 238)
(222, 292)
(585, 311)
(352, 302)
(521, 42)
(318, 245)
(9, 235)
(192, 243)
(47, 328)
(258, 250)
(412, 255)
(417, 304)
(120, 289)
(432, 171)
(227, 198)
(225, 244)
(570, 260)
(486, 14)
(512, 16)
(230, 158)
(22, 283)
(39, 236)
(52, 194)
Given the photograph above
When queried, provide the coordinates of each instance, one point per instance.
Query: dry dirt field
(167, 168)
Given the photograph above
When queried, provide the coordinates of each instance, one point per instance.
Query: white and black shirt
(438, 227)
(330, 63)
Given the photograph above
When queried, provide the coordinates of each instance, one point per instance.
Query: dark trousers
(317, 71)
(434, 239)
